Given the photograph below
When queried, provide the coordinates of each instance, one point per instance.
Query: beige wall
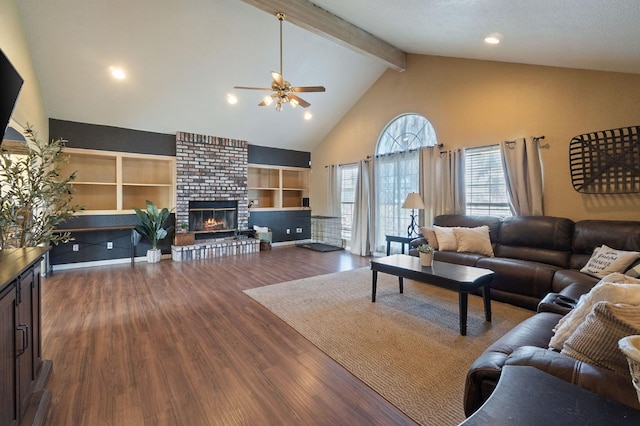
(474, 103)
(30, 106)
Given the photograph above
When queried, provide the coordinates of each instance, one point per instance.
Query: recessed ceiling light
(232, 99)
(308, 115)
(493, 38)
(117, 73)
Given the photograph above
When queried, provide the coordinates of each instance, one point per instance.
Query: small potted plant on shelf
(426, 254)
(152, 227)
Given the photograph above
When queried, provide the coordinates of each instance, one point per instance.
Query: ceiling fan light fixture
(283, 91)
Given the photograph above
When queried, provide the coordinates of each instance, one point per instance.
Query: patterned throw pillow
(595, 341)
(606, 260)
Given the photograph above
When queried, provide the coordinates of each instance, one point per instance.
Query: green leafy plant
(34, 196)
(153, 220)
(425, 248)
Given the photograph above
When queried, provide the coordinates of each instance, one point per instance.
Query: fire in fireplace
(213, 219)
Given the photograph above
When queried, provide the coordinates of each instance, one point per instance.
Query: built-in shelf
(110, 182)
(277, 187)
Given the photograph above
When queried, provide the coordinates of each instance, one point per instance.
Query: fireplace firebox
(213, 219)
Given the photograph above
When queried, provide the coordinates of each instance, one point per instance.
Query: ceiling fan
(283, 91)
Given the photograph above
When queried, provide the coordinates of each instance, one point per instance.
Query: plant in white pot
(426, 254)
(152, 227)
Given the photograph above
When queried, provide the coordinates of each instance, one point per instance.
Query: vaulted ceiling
(182, 58)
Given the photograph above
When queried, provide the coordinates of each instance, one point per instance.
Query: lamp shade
(413, 201)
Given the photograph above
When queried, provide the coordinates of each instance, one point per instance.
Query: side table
(398, 239)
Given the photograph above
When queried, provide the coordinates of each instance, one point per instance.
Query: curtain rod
(352, 163)
(535, 139)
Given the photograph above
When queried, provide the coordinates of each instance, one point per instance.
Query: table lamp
(413, 202)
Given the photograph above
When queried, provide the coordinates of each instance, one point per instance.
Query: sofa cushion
(605, 261)
(474, 240)
(595, 341)
(519, 276)
(543, 239)
(564, 278)
(589, 234)
(468, 259)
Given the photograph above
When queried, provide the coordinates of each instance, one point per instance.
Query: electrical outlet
(76, 247)
(288, 231)
(298, 230)
(109, 245)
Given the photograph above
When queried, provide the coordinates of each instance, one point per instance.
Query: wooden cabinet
(116, 182)
(278, 187)
(23, 373)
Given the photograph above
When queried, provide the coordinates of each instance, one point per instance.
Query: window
(396, 172)
(486, 189)
(348, 179)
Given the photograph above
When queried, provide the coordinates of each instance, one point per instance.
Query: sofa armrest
(484, 373)
(597, 380)
(415, 243)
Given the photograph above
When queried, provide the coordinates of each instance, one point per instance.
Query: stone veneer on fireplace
(210, 168)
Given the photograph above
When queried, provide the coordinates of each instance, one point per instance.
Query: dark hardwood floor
(178, 343)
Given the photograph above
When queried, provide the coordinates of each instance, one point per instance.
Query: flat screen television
(10, 85)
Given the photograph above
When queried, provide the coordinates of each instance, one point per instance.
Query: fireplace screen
(212, 218)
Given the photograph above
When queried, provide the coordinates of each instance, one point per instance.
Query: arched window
(396, 172)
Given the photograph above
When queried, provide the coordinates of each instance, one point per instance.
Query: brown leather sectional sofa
(537, 266)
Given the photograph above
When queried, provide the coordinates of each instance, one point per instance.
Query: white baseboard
(78, 265)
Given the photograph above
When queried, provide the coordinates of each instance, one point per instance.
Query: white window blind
(486, 190)
(349, 177)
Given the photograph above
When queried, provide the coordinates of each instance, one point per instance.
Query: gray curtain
(449, 184)
(362, 227)
(523, 175)
(428, 190)
(333, 191)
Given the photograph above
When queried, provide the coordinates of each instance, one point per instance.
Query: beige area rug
(407, 347)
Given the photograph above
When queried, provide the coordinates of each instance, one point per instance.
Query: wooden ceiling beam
(307, 15)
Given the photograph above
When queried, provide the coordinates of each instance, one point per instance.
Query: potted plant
(152, 227)
(426, 254)
(35, 195)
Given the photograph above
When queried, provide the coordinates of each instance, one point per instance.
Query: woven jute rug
(407, 347)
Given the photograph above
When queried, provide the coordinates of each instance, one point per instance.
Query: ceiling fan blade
(308, 89)
(252, 88)
(277, 77)
(300, 101)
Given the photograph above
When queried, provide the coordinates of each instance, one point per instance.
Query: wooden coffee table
(460, 278)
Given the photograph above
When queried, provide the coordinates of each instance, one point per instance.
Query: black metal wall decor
(606, 162)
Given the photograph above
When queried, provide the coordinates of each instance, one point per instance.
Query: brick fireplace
(211, 169)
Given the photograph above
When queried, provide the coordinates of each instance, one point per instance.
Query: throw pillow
(446, 238)
(595, 341)
(429, 234)
(474, 240)
(606, 260)
(614, 288)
